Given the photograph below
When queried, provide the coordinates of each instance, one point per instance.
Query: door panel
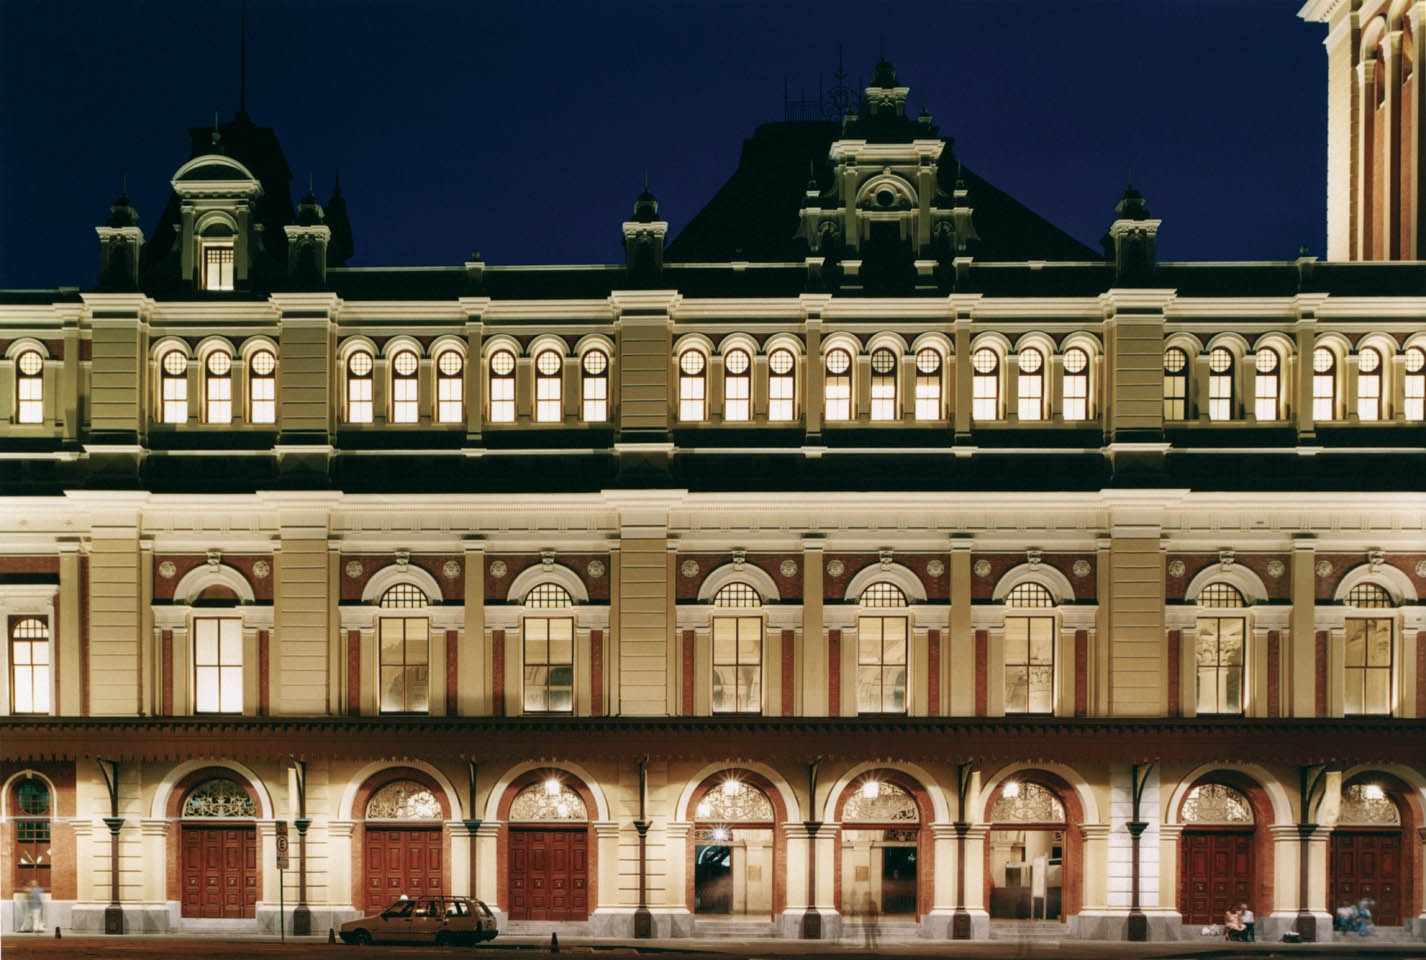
(1215, 872)
(1368, 866)
(219, 872)
(401, 860)
(549, 874)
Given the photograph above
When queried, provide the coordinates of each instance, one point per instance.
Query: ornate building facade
(877, 547)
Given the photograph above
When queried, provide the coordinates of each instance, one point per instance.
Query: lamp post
(812, 920)
(1307, 782)
(113, 913)
(643, 918)
(301, 914)
(1138, 926)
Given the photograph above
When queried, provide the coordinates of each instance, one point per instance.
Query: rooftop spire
(243, 61)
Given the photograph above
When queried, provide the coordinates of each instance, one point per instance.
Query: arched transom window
(1216, 803)
(550, 799)
(219, 797)
(1220, 594)
(734, 801)
(692, 385)
(403, 596)
(403, 800)
(879, 801)
(1369, 595)
(1220, 384)
(1324, 384)
(1367, 805)
(405, 652)
(548, 596)
(1076, 384)
(737, 595)
(837, 384)
(1266, 385)
(1369, 396)
(450, 387)
(32, 853)
(1027, 802)
(405, 392)
(1029, 594)
(502, 387)
(1029, 651)
(883, 594)
(737, 385)
(985, 384)
(262, 387)
(883, 385)
(928, 384)
(1031, 388)
(737, 652)
(882, 641)
(595, 387)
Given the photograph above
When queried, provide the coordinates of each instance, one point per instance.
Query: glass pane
(24, 702)
(40, 651)
(868, 689)
(1207, 689)
(725, 640)
(869, 640)
(206, 690)
(1230, 693)
(1042, 640)
(1042, 693)
(561, 641)
(206, 642)
(1017, 689)
(416, 641)
(230, 699)
(1378, 643)
(894, 693)
(749, 688)
(1378, 692)
(20, 652)
(1230, 642)
(561, 699)
(895, 640)
(724, 684)
(1205, 643)
(750, 640)
(1017, 639)
(41, 690)
(1352, 696)
(416, 684)
(537, 648)
(536, 691)
(391, 641)
(392, 689)
(230, 642)
(1356, 643)
(562, 676)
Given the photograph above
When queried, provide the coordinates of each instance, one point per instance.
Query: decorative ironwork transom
(1029, 594)
(1031, 803)
(403, 800)
(892, 804)
(1368, 595)
(403, 596)
(536, 802)
(549, 596)
(743, 804)
(883, 594)
(1220, 594)
(1367, 805)
(219, 797)
(1216, 803)
(737, 595)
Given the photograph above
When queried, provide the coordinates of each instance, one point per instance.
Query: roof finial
(243, 62)
(1131, 176)
(646, 179)
(309, 181)
(337, 180)
(124, 184)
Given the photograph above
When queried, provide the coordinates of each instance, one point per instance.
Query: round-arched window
(1075, 360)
(737, 595)
(595, 362)
(928, 360)
(734, 801)
(879, 801)
(1369, 595)
(404, 800)
(1216, 803)
(1029, 594)
(883, 594)
(548, 596)
(403, 596)
(736, 362)
(551, 799)
(219, 797)
(1027, 802)
(691, 362)
(1220, 594)
(781, 362)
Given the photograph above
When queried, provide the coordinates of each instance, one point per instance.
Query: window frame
(220, 670)
(29, 408)
(1371, 406)
(226, 279)
(173, 388)
(32, 830)
(1324, 384)
(548, 618)
(692, 386)
(219, 408)
(1030, 387)
(43, 642)
(594, 387)
(884, 667)
(360, 387)
(450, 387)
(407, 667)
(929, 407)
(1074, 386)
(1222, 386)
(549, 387)
(837, 391)
(739, 618)
(500, 387)
(1218, 617)
(405, 387)
(1176, 386)
(985, 387)
(737, 387)
(1030, 617)
(265, 394)
(884, 385)
(777, 384)
(1366, 668)
(1413, 383)
(1267, 386)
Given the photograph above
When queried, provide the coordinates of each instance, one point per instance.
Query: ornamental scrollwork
(892, 804)
(1030, 803)
(745, 804)
(219, 797)
(1368, 805)
(535, 802)
(1216, 803)
(403, 800)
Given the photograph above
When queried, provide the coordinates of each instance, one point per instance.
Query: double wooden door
(1367, 866)
(1215, 873)
(219, 872)
(401, 860)
(549, 874)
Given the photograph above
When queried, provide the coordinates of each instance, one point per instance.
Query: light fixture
(732, 787)
(1011, 789)
(552, 787)
(871, 789)
(720, 833)
(1373, 791)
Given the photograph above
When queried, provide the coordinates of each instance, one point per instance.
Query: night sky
(524, 128)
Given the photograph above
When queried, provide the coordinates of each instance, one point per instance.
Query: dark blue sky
(523, 128)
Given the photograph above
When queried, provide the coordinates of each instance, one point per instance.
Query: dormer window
(218, 256)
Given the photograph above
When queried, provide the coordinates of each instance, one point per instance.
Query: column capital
(1094, 831)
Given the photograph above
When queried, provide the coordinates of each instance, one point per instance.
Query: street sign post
(282, 864)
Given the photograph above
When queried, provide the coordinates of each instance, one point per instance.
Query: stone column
(1095, 909)
(676, 868)
(488, 867)
(938, 923)
(154, 843)
(1302, 642)
(957, 668)
(973, 894)
(810, 697)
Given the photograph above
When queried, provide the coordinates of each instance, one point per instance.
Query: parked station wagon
(438, 920)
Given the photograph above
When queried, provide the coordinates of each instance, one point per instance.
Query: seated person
(1346, 917)
(1249, 922)
(1233, 924)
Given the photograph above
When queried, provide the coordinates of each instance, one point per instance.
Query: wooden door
(1215, 873)
(549, 874)
(399, 860)
(1367, 865)
(219, 872)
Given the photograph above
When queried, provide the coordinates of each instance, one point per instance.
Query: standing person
(1250, 930)
(35, 907)
(871, 917)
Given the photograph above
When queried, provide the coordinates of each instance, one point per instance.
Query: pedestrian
(35, 907)
(1250, 930)
(1364, 917)
(871, 917)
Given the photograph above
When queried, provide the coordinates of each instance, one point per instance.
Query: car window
(455, 909)
(400, 908)
(483, 908)
(427, 908)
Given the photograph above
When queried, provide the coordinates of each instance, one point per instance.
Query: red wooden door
(1215, 873)
(549, 874)
(399, 860)
(1368, 865)
(219, 872)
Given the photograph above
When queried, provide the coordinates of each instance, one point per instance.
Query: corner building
(873, 542)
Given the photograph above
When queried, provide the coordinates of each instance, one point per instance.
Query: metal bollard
(331, 935)
(554, 943)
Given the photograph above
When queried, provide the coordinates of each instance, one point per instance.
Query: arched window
(1029, 651)
(405, 392)
(33, 806)
(1031, 392)
(1369, 405)
(1220, 384)
(596, 386)
(549, 395)
(1216, 803)
(29, 665)
(548, 596)
(781, 385)
(219, 798)
(1266, 386)
(838, 384)
(928, 384)
(450, 387)
(550, 799)
(30, 387)
(262, 387)
(1175, 384)
(737, 651)
(692, 388)
(359, 388)
(219, 258)
(1324, 384)
(173, 377)
(217, 664)
(1076, 384)
(985, 384)
(549, 651)
(1414, 385)
(218, 387)
(1219, 650)
(1220, 594)
(882, 640)
(404, 800)
(1369, 595)
(737, 595)
(737, 385)
(883, 594)
(502, 387)
(883, 385)
(405, 652)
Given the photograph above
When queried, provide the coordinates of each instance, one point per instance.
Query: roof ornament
(217, 139)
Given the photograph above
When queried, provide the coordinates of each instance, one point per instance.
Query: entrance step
(885, 930)
(543, 928)
(734, 929)
(1027, 930)
(214, 925)
(1377, 935)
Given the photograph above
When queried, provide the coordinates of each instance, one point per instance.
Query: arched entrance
(1215, 860)
(884, 850)
(218, 862)
(736, 847)
(1368, 856)
(1032, 856)
(403, 849)
(548, 869)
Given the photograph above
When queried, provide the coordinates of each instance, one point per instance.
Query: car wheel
(443, 939)
(361, 938)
